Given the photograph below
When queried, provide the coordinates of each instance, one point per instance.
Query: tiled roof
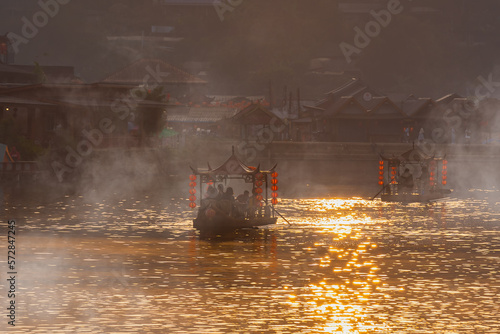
(135, 74)
(16, 100)
(199, 114)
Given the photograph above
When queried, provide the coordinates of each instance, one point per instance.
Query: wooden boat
(396, 176)
(416, 197)
(218, 214)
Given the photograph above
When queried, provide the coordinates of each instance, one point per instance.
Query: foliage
(40, 74)
(10, 136)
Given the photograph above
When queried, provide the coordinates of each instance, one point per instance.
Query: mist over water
(133, 263)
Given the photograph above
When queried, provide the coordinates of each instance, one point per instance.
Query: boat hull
(413, 198)
(226, 223)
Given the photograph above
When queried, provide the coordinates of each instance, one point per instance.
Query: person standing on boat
(242, 202)
(220, 189)
(406, 181)
(424, 180)
(421, 135)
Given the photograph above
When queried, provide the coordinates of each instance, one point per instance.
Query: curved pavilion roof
(233, 167)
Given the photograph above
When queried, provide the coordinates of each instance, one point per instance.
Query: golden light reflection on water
(349, 282)
(342, 266)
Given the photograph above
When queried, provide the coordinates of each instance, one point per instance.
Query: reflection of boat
(398, 186)
(217, 214)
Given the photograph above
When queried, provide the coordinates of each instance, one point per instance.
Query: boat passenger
(242, 202)
(424, 180)
(211, 193)
(228, 195)
(406, 181)
(220, 190)
(209, 197)
(243, 198)
(226, 202)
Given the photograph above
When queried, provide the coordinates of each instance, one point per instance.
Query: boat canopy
(415, 156)
(233, 168)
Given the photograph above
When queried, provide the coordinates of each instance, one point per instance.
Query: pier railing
(18, 167)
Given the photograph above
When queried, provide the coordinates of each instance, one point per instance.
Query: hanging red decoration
(192, 184)
(192, 191)
(192, 205)
(192, 177)
(274, 195)
(258, 190)
(274, 174)
(274, 181)
(274, 188)
(274, 201)
(258, 183)
(259, 198)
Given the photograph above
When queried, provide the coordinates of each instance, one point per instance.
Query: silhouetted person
(220, 190)
(242, 202)
(211, 193)
(424, 180)
(406, 181)
(228, 195)
(243, 198)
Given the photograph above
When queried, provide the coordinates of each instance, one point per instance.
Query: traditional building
(356, 113)
(257, 123)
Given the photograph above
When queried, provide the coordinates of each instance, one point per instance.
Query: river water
(342, 265)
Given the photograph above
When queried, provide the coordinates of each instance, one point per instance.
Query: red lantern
(192, 177)
(192, 198)
(258, 198)
(274, 201)
(380, 183)
(274, 188)
(192, 191)
(274, 174)
(192, 205)
(258, 190)
(274, 181)
(192, 184)
(259, 176)
(274, 195)
(258, 183)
